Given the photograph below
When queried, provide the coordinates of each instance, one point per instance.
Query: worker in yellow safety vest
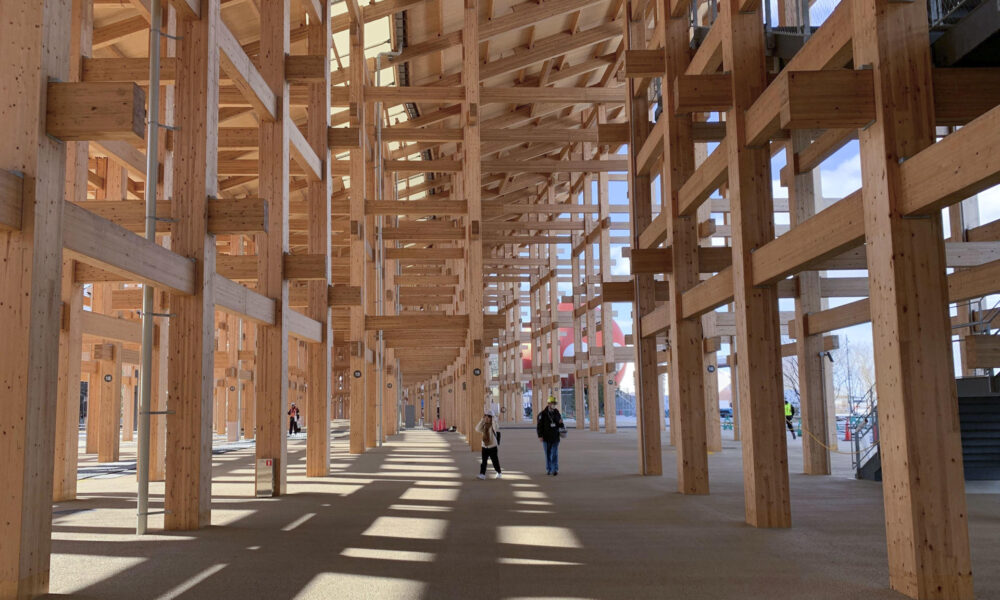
(789, 413)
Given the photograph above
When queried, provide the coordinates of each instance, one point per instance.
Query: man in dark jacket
(549, 428)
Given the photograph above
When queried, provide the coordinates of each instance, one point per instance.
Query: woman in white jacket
(491, 442)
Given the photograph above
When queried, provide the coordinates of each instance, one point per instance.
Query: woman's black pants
(490, 453)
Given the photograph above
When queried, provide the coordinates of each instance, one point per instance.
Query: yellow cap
(552, 399)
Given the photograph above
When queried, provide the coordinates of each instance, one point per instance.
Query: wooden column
(358, 79)
(473, 189)
(234, 395)
(923, 481)
(808, 348)
(555, 358)
(129, 405)
(687, 368)
(765, 462)
(713, 419)
(647, 403)
(579, 295)
(109, 386)
(248, 348)
(158, 400)
(318, 199)
(272, 341)
(70, 335)
(607, 319)
(190, 376)
(34, 45)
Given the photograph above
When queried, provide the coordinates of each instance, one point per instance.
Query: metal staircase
(866, 458)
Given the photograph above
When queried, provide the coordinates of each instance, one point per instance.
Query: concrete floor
(411, 521)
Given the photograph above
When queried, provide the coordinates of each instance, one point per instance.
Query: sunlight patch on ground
(361, 586)
(383, 554)
(536, 561)
(191, 583)
(448, 494)
(538, 535)
(408, 527)
(226, 516)
(423, 470)
(298, 522)
(529, 494)
(89, 536)
(438, 483)
(420, 507)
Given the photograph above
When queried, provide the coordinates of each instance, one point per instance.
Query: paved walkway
(410, 520)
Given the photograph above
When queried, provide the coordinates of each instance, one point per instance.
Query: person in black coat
(550, 427)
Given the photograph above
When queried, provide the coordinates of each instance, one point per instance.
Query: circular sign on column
(711, 368)
(108, 378)
(477, 372)
(389, 385)
(232, 388)
(357, 374)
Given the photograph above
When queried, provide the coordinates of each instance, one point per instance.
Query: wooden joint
(80, 112)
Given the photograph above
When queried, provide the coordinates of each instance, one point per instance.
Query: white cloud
(842, 179)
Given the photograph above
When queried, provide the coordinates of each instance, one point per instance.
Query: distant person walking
(550, 429)
(789, 413)
(293, 419)
(491, 444)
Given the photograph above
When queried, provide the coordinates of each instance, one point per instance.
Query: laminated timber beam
(11, 200)
(235, 63)
(78, 111)
(241, 216)
(90, 239)
(417, 208)
(302, 267)
(831, 99)
(554, 166)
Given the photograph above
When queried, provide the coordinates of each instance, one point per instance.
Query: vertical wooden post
(70, 335)
(109, 383)
(473, 191)
(765, 462)
(647, 403)
(249, 344)
(687, 369)
(923, 480)
(34, 44)
(158, 404)
(808, 348)
(713, 419)
(358, 80)
(128, 399)
(190, 366)
(318, 198)
(607, 320)
(579, 293)
(272, 341)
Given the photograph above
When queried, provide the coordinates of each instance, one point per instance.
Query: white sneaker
(480, 476)
(499, 475)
